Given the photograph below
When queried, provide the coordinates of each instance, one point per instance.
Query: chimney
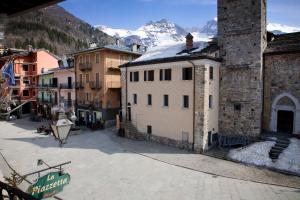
(117, 42)
(29, 48)
(189, 41)
(134, 47)
(93, 45)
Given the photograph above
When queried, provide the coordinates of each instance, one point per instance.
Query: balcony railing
(53, 85)
(67, 86)
(79, 85)
(95, 85)
(8, 192)
(113, 84)
(85, 66)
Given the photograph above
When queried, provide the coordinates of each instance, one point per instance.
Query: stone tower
(242, 40)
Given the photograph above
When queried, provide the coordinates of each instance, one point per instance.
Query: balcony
(113, 84)
(85, 66)
(113, 65)
(53, 85)
(94, 85)
(79, 85)
(67, 86)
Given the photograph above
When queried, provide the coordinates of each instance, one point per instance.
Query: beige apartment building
(172, 99)
(98, 84)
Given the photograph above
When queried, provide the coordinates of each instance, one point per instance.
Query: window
(168, 73)
(149, 100)
(87, 59)
(33, 67)
(25, 93)
(15, 92)
(149, 129)
(97, 58)
(135, 76)
(87, 96)
(210, 101)
(131, 76)
(80, 59)
(26, 81)
(134, 98)
(87, 78)
(25, 68)
(211, 73)
(185, 101)
(166, 100)
(165, 74)
(149, 75)
(187, 73)
(237, 107)
(80, 79)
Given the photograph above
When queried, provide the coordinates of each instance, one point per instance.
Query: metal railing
(66, 86)
(79, 85)
(95, 85)
(85, 66)
(13, 193)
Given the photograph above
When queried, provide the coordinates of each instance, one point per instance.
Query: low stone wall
(132, 133)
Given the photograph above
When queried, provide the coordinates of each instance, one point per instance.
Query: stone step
(279, 148)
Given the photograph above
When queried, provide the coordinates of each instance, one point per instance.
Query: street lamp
(61, 130)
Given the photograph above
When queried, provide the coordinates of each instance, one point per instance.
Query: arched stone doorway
(285, 114)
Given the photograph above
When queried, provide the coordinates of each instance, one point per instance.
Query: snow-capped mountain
(161, 32)
(280, 29)
(165, 32)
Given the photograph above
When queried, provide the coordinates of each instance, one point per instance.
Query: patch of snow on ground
(258, 154)
(289, 159)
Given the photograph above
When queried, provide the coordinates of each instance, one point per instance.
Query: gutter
(194, 91)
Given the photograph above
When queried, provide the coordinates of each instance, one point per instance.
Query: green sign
(49, 185)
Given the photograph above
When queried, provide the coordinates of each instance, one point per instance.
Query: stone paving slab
(104, 168)
(208, 164)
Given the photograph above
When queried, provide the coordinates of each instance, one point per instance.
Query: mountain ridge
(53, 28)
(166, 32)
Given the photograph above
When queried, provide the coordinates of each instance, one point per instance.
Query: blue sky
(131, 14)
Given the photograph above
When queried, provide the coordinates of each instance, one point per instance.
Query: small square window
(25, 68)
(237, 107)
(185, 101)
(25, 93)
(187, 73)
(166, 100)
(211, 73)
(149, 100)
(134, 98)
(149, 129)
(210, 101)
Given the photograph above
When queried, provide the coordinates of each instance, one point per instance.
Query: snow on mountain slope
(279, 28)
(152, 34)
(165, 32)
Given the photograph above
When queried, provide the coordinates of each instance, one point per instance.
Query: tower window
(237, 107)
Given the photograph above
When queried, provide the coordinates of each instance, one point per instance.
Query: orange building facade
(27, 66)
(98, 82)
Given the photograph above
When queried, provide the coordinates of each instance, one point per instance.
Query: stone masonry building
(258, 82)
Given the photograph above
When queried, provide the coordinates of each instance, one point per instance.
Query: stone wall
(123, 93)
(282, 75)
(242, 40)
(199, 108)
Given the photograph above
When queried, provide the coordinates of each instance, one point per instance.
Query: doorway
(285, 121)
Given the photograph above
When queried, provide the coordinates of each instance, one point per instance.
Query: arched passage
(285, 114)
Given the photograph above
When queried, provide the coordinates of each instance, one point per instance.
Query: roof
(173, 53)
(285, 43)
(61, 69)
(119, 48)
(18, 7)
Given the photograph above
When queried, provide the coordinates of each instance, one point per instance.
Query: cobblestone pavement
(104, 167)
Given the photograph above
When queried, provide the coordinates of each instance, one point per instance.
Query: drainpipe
(194, 82)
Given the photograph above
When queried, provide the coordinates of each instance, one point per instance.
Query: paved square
(102, 168)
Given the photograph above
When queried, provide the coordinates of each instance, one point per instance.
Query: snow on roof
(168, 51)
